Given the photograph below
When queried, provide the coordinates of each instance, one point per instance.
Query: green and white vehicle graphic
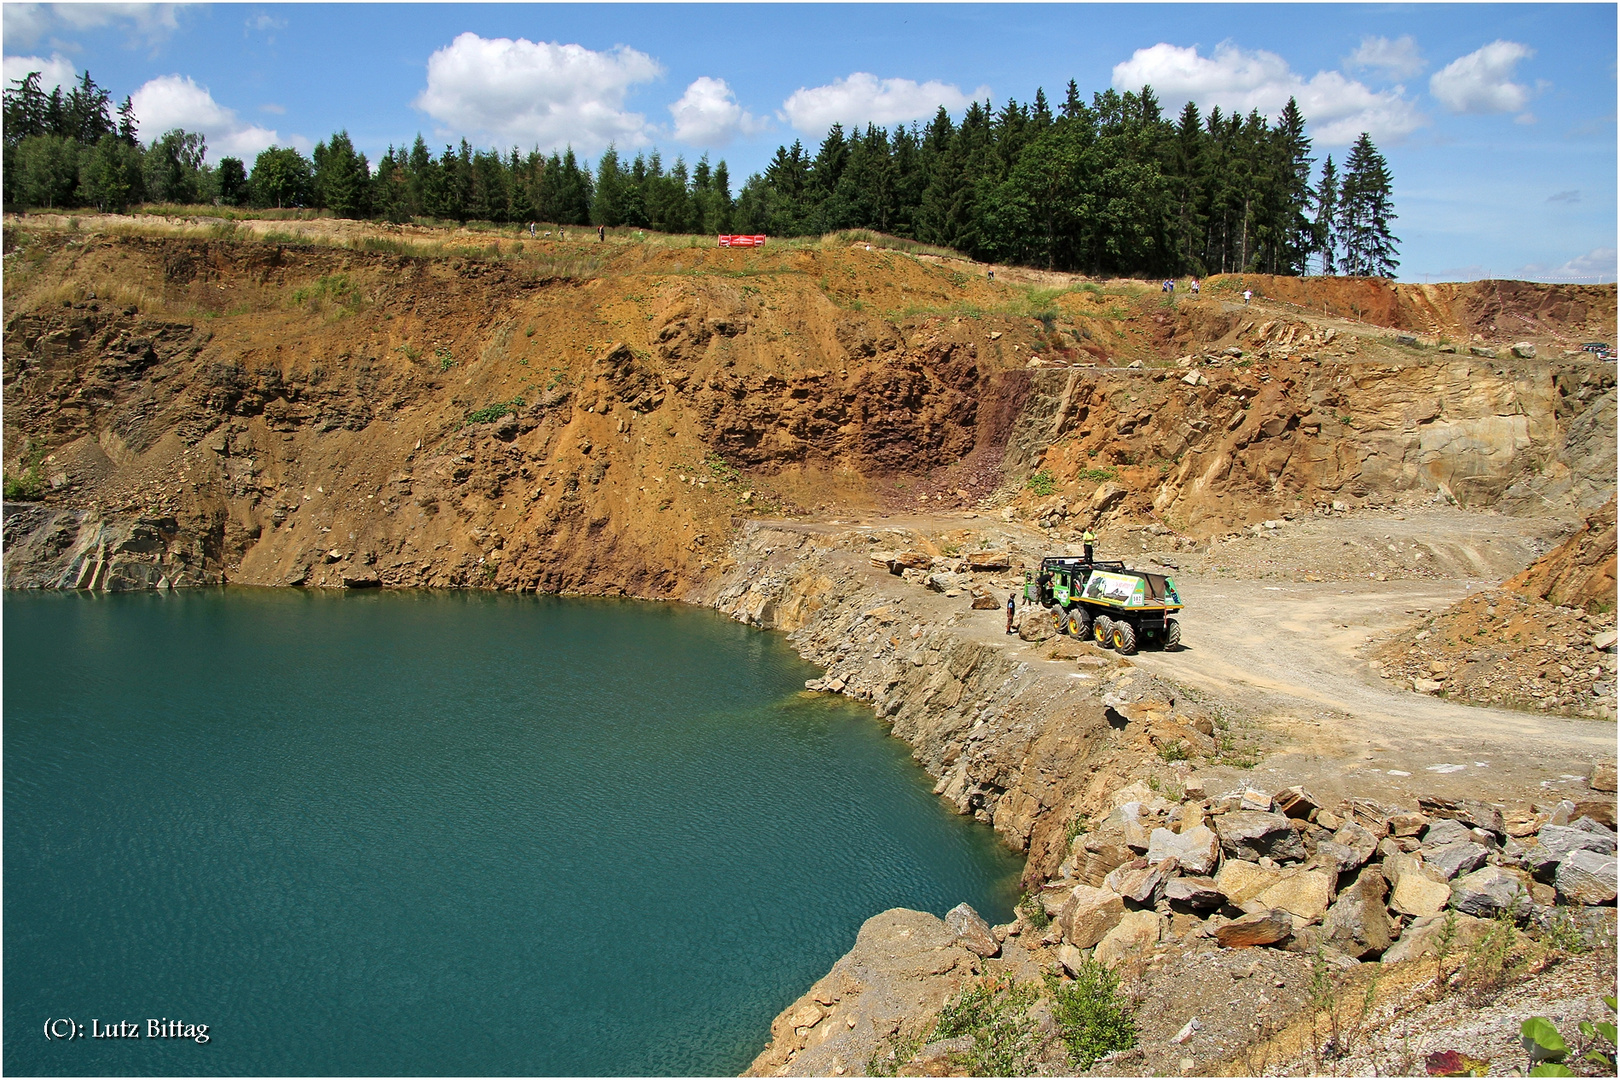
(1114, 605)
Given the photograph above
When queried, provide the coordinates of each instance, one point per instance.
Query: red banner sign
(741, 241)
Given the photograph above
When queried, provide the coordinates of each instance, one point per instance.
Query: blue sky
(1498, 120)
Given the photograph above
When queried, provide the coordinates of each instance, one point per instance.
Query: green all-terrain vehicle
(1107, 601)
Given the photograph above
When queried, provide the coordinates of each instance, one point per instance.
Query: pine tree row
(1110, 187)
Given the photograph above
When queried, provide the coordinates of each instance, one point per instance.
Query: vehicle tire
(1124, 638)
(1060, 619)
(1103, 630)
(1172, 634)
(1080, 623)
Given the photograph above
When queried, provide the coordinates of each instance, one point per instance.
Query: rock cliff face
(574, 418)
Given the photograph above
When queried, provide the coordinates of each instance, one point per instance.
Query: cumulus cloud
(1396, 59)
(537, 93)
(57, 71)
(1599, 264)
(1482, 81)
(26, 24)
(863, 99)
(708, 115)
(174, 101)
(1338, 109)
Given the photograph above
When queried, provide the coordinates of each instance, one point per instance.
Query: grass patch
(994, 1014)
(1097, 475)
(494, 412)
(1042, 482)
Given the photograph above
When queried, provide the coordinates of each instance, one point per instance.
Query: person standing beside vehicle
(1088, 538)
(1012, 601)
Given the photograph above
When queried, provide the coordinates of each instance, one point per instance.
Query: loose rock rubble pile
(1503, 648)
(1360, 881)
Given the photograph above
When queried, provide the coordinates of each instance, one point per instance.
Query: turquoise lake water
(438, 833)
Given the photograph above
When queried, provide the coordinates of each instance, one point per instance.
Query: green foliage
(1098, 475)
(30, 483)
(1176, 751)
(994, 1014)
(495, 411)
(1042, 482)
(281, 177)
(331, 291)
(445, 358)
(1092, 1017)
(1034, 911)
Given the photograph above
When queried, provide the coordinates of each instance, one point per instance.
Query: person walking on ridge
(1247, 293)
(1195, 286)
(1089, 538)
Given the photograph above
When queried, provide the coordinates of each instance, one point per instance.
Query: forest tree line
(1109, 187)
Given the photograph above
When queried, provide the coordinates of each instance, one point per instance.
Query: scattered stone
(882, 559)
(1405, 339)
(1482, 350)
(1260, 928)
(1586, 877)
(1255, 800)
(1072, 959)
(970, 931)
(983, 600)
(1138, 834)
(1251, 835)
(1600, 812)
(1454, 859)
(1089, 914)
(1296, 802)
(1357, 924)
(1487, 893)
(1199, 893)
(1337, 856)
(1097, 858)
(1136, 931)
(1468, 811)
(1419, 896)
(1358, 840)
(1195, 850)
(1447, 832)
(912, 560)
(1603, 778)
(1524, 350)
(1563, 813)
(1407, 823)
(1136, 882)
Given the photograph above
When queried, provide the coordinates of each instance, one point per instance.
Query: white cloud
(1599, 263)
(263, 23)
(149, 23)
(1397, 59)
(1482, 81)
(1338, 109)
(57, 71)
(274, 109)
(708, 115)
(174, 101)
(533, 93)
(863, 99)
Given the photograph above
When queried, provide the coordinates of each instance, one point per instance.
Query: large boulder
(1454, 859)
(1035, 624)
(912, 560)
(1088, 914)
(970, 931)
(988, 560)
(1241, 881)
(1196, 851)
(1138, 930)
(1586, 877)
(1259, 928)
(1106, 497)
(1357, 924)
(985, 600)
(1305, 895)
(1248, 834)
(1096, 858)
(1423, 936)
(1560, 840)
(1447, 831)
(1487, 893)
(1419, 896)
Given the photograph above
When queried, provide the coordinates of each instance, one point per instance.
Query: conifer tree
(1324, 227)
(1365, 213)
